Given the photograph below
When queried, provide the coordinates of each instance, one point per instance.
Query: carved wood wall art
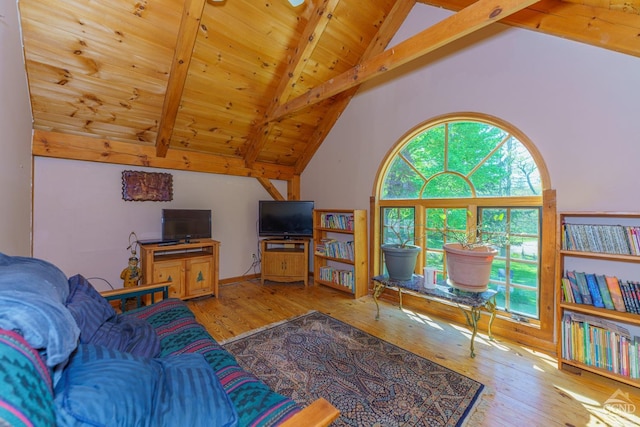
(147, 186)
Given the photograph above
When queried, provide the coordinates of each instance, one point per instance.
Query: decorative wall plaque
(141, 186)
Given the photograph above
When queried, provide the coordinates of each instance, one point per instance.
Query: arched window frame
(538, 333)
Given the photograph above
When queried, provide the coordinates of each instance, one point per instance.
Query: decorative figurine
(131, 274)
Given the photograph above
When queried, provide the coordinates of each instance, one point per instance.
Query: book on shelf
(601, 291)
(335, 249)
(581, 279)
(342, 277)
(337, 221)
(609, 239)
(577, 296)
(594, 290)
(604, 291)
(616, 294)
(596, 342)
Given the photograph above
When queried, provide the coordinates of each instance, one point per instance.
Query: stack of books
(337, 221)
(601, 344)
(601, 291)
(608, 239)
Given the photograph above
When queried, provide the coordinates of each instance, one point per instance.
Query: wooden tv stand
(285, 260)
(192, 268)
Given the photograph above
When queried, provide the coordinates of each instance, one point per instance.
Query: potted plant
(470, 253)
(400, 254)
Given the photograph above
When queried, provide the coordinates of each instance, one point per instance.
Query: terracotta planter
(400, 262)
(469, 269)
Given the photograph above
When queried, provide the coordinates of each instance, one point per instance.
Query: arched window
(456, 170)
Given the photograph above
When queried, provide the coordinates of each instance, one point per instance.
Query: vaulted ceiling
(243, 87)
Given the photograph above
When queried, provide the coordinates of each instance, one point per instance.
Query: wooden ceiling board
(265, 82)
(102, 23)
(89, 107)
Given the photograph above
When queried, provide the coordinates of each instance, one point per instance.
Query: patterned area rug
(371, 382)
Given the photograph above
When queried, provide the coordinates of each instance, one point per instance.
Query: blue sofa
(67, 358)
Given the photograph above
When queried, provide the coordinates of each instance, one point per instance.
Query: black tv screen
(285, 219)
(186, 224)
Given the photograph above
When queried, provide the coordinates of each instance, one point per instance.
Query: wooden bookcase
(192, 268)
(340, 250)
(623, 266)
(284, 260)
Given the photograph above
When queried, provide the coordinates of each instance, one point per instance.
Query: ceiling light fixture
(296, 3)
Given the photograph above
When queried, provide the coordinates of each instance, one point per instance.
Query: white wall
(577, 103)
(15, 138)
(82, 225)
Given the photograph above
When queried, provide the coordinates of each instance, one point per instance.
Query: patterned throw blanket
(179, 332)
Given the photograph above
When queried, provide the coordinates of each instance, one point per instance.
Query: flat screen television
(285, 219)
(186, 224)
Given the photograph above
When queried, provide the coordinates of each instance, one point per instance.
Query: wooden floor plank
(524, 386)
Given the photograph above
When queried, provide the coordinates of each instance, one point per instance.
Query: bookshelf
(603, 339)
(340, 250)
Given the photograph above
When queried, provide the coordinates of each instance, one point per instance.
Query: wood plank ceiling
(243, 87)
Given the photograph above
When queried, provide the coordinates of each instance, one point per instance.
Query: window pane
(398, 225)
(470, 143)
(401, 182)
(510, 171)
(426, 151)
(447, 186)
(524, 301)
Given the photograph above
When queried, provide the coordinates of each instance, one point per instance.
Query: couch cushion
(103, 387)
(26, 396)
(32, 296)
(99, 324)
(179, 333)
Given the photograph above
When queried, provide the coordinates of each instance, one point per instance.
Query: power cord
(100, 278)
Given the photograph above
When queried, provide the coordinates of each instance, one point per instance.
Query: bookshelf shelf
(347, 238)
(592, 338)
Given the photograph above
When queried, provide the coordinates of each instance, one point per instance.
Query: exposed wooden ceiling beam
(191, 15)
(387, 30)
(310, 37)
(610, 29)
(75, 147)
(473, 17)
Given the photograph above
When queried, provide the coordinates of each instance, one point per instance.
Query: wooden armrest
(320, 413)
(137, 292)
(124, 292)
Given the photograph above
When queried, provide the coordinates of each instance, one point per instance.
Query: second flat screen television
(186, 224)
(285, 219)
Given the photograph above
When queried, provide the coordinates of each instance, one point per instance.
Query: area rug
(371, 382)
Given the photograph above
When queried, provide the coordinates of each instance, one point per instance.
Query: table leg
(377, 290)
(490, 306)
(472, 316)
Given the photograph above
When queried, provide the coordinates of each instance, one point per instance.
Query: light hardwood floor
(524, 386)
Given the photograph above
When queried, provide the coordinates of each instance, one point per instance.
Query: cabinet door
(294, 265)
(274, 263)
(198, 277)
(170, 271)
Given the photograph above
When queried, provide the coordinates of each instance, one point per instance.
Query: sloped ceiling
(243, 87)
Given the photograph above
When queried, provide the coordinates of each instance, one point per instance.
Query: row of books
(338, 276)
(609, 239)
(601, 291)
(335, 249)
(337, 221)
(601, 344)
